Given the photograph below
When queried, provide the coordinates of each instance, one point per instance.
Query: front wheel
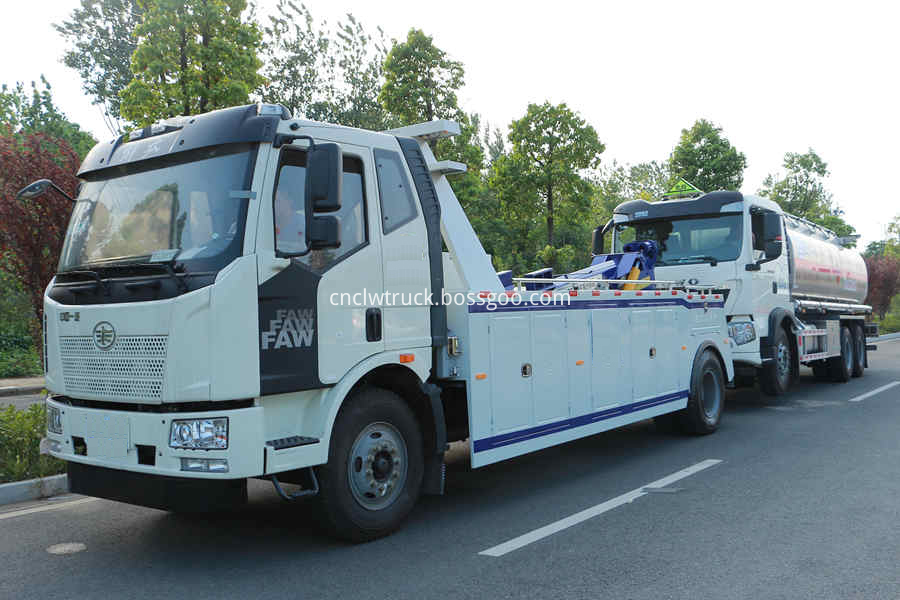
(375, 466)
(776, 376)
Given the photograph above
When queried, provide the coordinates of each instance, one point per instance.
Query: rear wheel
(776, 376)
(375, 465)
(841, 367)
(707, 396)
(859, 351)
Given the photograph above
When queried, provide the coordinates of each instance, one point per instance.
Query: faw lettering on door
(290, 329)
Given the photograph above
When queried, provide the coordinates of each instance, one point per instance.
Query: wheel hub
(377, 466)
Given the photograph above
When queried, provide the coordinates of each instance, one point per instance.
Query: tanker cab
(338, 227)
(768, 272)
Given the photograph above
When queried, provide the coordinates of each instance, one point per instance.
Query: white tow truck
(219, 314)
(793, 292)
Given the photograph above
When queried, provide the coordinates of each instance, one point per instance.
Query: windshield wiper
(93, 275)
(713, 261)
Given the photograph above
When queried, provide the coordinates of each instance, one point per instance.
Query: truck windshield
(189, 207)
(681, 241)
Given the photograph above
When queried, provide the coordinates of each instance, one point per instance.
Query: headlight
(54, 419)
(742, 332)
(201, 434)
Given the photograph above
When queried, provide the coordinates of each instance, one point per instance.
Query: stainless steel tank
(821, 269)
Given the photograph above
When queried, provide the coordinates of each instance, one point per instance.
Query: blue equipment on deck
(635, 263)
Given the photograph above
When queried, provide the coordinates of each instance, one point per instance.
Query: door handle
(373, 324)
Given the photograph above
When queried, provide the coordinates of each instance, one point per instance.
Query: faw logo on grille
(104, 335)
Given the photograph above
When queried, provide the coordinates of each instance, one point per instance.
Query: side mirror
(773, 249)
(324, 232)
(324, 165)
(41, 187)
(597, 242)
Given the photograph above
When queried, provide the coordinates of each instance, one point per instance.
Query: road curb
(33, 489)
(20, 390)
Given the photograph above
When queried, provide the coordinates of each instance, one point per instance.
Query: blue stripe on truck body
(522, 435)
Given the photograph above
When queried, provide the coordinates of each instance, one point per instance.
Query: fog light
(47, 446)
(203, 434)
(205, 465)
(54, 419)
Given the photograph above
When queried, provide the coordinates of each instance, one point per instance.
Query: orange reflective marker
(579, 362)
(480, 376)
(684, 347)
(407, 358)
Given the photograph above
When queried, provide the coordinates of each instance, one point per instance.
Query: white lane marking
(37, 509)
(875, 391)
(66, 548)
(599, 509)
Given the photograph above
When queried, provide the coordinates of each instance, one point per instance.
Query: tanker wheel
(859, 351)
(841, 367)
(373, 477)
(776, 376)
(820, 370)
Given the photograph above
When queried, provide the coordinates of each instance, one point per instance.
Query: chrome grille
(131, 370)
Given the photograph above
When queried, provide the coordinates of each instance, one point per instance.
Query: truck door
(407, 277)
(769, 285)
(315, 312)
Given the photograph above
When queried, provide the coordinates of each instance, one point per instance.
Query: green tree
(100, 40)
(801, 191)
(324, 74)
(24, 113)
(192, 56)
(420, 81)
(705, 158)
(551, 146)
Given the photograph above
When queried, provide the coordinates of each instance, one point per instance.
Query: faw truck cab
(242, 294)
(793, 293)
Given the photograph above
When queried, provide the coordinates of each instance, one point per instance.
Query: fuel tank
(822, 269)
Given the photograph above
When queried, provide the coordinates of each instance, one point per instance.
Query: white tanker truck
(793, 293)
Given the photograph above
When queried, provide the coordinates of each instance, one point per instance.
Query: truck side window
(289, 207)
(397, 204)
(757, 227)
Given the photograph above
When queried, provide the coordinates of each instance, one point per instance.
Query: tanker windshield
(189, 207)
(683, 241)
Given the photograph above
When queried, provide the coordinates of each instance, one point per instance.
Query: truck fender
(335, 397)
(766, 345)
(727, 366)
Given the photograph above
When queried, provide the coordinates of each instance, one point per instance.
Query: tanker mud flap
(435, 469)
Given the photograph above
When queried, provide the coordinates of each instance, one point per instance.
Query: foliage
(21, 361)
(99, 36)
(884, 282)
(21, 431)
(891, 321)
(420, 81)
(37, 113)
(322, 74)
(801, 192)
(32, 231)
(192, 56)
(705, 158)
(551, 146)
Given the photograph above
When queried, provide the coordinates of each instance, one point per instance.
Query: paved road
(21, 401)
(805, 504)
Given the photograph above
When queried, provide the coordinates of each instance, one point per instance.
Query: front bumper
(139, 441)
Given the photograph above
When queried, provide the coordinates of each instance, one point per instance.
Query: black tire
(859, 351)
(776, 377)
(841, 367)
(341, 496)
(707, 395)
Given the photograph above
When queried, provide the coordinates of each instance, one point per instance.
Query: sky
(776, 76)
